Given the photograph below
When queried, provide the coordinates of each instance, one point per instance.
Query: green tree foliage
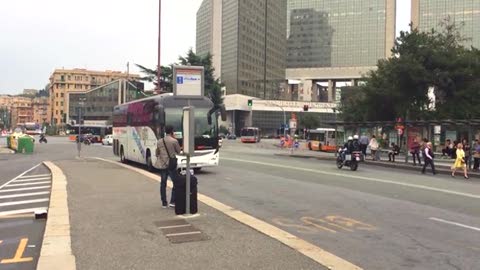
(309, 120)
(213, 87)
(422, 60)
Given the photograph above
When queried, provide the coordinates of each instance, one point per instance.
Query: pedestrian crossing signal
(250, 102)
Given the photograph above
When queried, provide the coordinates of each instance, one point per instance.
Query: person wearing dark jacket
(393, 152)
(429, 156)
(415, 151)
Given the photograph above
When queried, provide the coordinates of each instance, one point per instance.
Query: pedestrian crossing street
(24, 194)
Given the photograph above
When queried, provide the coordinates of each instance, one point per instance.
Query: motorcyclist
(347, 147)
(355, 144)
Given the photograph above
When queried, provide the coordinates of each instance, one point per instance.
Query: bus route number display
(188, 81)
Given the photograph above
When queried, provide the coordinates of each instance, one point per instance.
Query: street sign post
(188, 81)
(188, 148)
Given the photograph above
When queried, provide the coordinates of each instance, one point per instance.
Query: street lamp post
(284, 119)
(159, 67)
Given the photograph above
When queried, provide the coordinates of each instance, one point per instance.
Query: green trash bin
(25, 145)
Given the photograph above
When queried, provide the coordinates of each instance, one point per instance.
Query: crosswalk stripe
(24, 194)
(22, 211)
(31, 179)
(28, 184)
(23, 202)
(33, 176)
(23, 189)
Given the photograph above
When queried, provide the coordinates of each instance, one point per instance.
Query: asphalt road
(375, 218)
(24, 185)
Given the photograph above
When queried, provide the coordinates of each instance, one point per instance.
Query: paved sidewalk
(114, 213)
(5, 150)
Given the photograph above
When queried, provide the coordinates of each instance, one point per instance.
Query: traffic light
(305, 108)
(250, 102)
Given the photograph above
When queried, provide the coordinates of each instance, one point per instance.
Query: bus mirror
(223, 113)
(159, 115)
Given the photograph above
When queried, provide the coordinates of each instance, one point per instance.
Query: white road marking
(23, 202)
(175, 226)
(24, 194)
(22, 174)
(20, 211)
(34, 176)
(23, 189)
(455, 223)
(31, 179)
(469, 195)
(28, 184)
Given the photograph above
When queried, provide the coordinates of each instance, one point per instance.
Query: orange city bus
(250, 134)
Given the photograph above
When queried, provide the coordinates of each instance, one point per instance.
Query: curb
(409, 167)
(56, 252)
(309, 250)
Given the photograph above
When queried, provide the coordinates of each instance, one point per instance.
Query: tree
(309, 120)
(151, 75)
(422, 60)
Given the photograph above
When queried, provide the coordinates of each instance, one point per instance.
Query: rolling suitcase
(180, 192)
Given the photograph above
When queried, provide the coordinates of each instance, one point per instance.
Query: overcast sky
(38, 36)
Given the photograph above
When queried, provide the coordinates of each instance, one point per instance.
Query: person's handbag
(172, 162)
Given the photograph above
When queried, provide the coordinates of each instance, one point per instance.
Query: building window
(62, 78)
(61, 95)
(61, 103)
(56, 112)
(56, 95)
(69, 78)
(61, 112)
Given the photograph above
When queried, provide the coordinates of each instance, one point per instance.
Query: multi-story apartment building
(428, 14)
(335, 41)
(41, 109)
(247, 41)
(21, 110)
(63, 81)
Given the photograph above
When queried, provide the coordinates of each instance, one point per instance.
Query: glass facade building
(428, 14)
(254, 47)
(98, 103)
(341, 33)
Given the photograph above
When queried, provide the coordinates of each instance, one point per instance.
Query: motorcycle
(350, 160)
(42, 139)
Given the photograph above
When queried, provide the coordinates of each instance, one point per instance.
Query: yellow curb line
(315, 253)
(56, 250)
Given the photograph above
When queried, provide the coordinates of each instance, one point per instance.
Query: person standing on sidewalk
(476, 156)
(429, 156)
(393, 152)
(373, 147)
(466, 149)
(460, 161)
(167, 148)
(415, 151)
(364, 144)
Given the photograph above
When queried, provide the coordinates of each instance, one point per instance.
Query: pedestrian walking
(364, 144)
(460, 161)
(415, 151)
(429, 156)
(395, 150)
(373, 147)
(466, 149)
(167, 149)
(476, 156)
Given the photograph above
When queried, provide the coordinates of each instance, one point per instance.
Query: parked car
(108, 140)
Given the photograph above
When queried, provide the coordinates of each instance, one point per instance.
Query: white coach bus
(138, 125)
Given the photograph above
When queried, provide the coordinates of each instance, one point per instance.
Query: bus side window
(129, 119)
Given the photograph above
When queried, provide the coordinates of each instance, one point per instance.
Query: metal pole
(187, 187)
(159, 67)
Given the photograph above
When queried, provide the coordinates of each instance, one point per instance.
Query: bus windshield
(202, 128)
(248, 132)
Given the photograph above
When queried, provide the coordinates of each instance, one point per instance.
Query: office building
(64, 81)
(209, 33)
(428, 14)
(335, 41)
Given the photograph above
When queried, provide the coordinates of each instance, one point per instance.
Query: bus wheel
(122, 155)
(149, 162)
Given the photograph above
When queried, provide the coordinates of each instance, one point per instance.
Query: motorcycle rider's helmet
(355, 137)
(350, 138)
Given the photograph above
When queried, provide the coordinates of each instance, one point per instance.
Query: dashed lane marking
(469, 195)
(23, 189)
(25, 194)
(23, 202)
(28, 184)
(455, 223)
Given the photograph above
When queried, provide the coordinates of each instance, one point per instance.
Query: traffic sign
(297, 144)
